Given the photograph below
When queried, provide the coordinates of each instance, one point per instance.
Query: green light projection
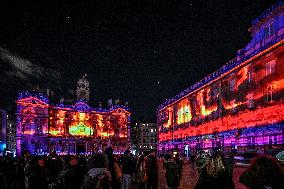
(54, 132)
(81, 129)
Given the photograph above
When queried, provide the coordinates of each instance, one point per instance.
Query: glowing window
(270, 67)
(250, 98)
(275, 140)
(269, 96)
(250, 76)
(232, 84)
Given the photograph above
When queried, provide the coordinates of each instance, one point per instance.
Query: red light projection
(35, 114)
(242, 76)
(57, 122)
(247, 119)
(32, 102)
(81, 125)
(169, 116)
(36, 121)
(105, 127)
(250, 96)
(69, 129)
(88, 124)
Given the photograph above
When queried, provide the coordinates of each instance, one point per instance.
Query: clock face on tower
(83, 89)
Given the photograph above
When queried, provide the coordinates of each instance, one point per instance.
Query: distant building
(3, 123)
(134, 137)
(146, 136)
(11, 134)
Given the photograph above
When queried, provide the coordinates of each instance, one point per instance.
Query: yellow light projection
(184, 114)
(58, 123)
(200, 100)
(81, 126)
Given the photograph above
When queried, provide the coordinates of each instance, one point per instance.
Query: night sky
(142, 51)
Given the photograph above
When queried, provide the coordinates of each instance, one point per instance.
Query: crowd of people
(109, 171)
(216, 171)
(98, 171)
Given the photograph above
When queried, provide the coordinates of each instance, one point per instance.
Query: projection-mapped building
(239, 107)
(43, 127)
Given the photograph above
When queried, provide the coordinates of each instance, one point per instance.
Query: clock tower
(83, 89)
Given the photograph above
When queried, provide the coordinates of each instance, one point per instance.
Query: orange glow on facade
(234, 102)
(59, 127)
(29, 132)
(200, 99)
(169, 113)
(243, 73)
(206, 112)
(184, 112)
(80, 125)
(248, 119)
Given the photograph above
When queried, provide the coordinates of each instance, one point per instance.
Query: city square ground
(190, 177)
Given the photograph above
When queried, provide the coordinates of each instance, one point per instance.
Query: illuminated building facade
(43, 127)
(239, 107)
(3, 124)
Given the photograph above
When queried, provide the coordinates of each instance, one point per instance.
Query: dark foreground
(190, 177)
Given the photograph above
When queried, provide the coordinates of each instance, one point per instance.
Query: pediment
(31, 101)
(82, 106)
(120, 111)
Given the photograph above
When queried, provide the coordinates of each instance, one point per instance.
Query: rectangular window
(270, 141)
(269, 30)
(232, 84)
(216, 92)
(250, 103)
(269, 96)
(250, 76)
(275, 140)
(270, 67)
(251, 141)
(266, 32)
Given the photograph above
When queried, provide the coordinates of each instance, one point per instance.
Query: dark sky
(143, 51)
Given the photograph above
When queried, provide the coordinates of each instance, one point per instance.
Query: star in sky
(127, 48)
